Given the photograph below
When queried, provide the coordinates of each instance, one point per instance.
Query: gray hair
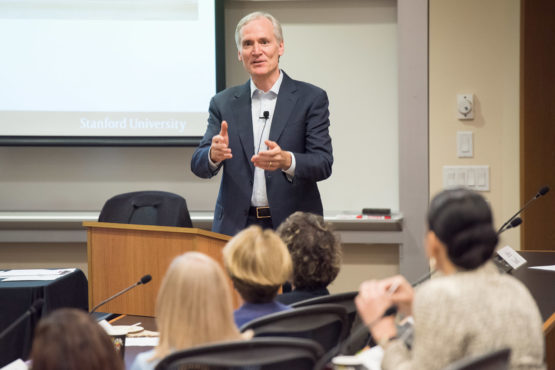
(278, 33)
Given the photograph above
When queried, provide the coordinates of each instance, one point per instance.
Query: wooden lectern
(120, 254)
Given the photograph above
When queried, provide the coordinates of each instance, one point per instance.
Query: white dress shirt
(260, 102)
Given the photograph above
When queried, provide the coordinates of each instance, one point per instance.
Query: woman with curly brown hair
(316, 253)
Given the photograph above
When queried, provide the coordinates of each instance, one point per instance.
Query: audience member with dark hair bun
(469, 310)
(70, 339)
(316, 253)
(258, 263)
(463, 222)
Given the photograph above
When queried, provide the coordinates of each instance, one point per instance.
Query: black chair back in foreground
(258, 353)
(346, 300)
(494, 360)
(325, 324)
(147, 208)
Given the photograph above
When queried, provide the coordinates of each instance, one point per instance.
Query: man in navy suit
(270, 136)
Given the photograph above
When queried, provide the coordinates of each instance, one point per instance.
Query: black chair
(325, 324)
(147, 208)
(346, 300)
(257, 353)
(494, 360)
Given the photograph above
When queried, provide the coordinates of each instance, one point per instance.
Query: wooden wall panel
(537, 123)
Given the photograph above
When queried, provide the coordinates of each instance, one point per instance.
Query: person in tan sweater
(470, 310)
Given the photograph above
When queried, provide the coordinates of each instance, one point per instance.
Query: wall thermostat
(465, 106)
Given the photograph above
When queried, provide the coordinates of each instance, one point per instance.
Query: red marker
(373, 217)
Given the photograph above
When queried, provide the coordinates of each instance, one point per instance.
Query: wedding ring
(270, 164)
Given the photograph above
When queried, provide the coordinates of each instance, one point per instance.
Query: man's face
(260, 50)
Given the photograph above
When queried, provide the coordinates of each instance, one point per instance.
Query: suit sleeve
(199, 162)
(316, 161)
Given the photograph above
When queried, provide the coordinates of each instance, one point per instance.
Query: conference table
(16, 297)
(147, 322)
(540, 283)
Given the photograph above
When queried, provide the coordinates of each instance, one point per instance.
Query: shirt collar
(274, 89)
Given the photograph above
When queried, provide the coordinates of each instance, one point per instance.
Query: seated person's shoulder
(286, 298)
(282, 306)
(515, 288)
(449, 293)
(300, 295)
(443, 288)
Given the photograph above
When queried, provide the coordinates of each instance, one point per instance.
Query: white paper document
(31, 278)
(372, 358)
(141, 342)
(547, 268)
(33, 274)
(510, 256)
(16, 365)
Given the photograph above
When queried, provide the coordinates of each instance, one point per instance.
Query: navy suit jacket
(300, 125)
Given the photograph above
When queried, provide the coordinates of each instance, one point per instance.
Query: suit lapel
(243, 121)
(287, 98)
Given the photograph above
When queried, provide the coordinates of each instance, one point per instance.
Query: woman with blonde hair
(193, 308)
(258, 263)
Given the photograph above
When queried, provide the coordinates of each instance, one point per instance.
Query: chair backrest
(494, 360)
(325, 324)
(147, 208)
(259, 353)
(346, 300)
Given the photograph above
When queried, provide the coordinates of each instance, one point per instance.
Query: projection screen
(88, 72)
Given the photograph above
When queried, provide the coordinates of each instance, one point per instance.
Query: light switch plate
(465, 144)
(471, 177)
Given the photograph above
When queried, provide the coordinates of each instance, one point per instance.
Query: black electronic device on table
(376, 211)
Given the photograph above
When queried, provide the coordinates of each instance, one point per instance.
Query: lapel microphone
(265, 116)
